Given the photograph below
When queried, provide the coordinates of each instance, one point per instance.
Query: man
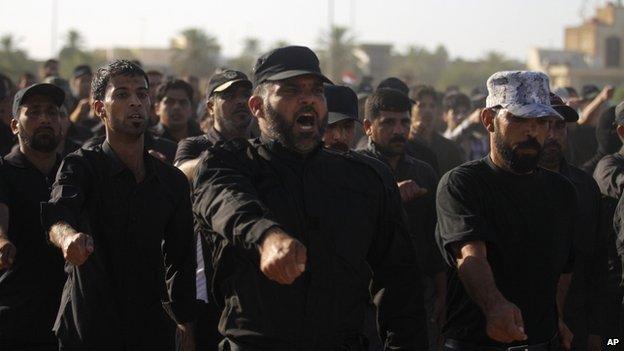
(464, 126)
(387, 124)
(7, 139)
(155, 78)
(425, 143)
(50, 68)
(123, 222)
(228, 92)
(300, 230)
(227, 95)
(81, 89)
(174, 110)
(342, 104)
(31, 271)
(504, 227)
(584, 306)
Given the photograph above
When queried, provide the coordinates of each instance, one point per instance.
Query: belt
(458, 345)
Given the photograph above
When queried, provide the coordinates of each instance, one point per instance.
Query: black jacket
(346, 210)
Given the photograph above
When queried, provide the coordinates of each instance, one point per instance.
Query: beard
(518, 162)
(338, 146)
(552, 153)
(237, 123)
(280, 129)
(394, 147)
(43, 139)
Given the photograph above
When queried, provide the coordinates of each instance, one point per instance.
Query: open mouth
(306, 121)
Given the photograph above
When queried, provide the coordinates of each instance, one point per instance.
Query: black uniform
(448, 153)
(585, 304)
(526, 222)
(30, 291)
(7, 139)
(191, 147)
(160, 131)
(422, 152)
(421, 215)
(144, 255)
(152, 142)
(347, 213)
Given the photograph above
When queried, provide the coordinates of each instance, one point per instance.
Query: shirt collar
(16, 158)
(117, 166)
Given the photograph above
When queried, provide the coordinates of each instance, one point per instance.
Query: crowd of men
(284, 212)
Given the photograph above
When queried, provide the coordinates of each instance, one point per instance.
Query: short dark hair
(50, 62)
(114, 69)
(386, 100)
(455, 100)
(419, 92)
(171, 84)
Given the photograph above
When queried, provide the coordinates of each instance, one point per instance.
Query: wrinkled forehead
(134, 81)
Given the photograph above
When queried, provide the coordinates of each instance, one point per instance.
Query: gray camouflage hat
(525, 94)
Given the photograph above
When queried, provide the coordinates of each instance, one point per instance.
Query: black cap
(82, 70)
(589, 91)
(568, 113)
(287, 62)
(394, 83)
(342, 103)
(224, 79)
(619, 114)
(57, 94)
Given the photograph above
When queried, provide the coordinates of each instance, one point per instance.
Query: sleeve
(609, 175)
(396, 279)
(68, 193)
(226, 201)
(188, 149)
(179, 256)
(460, 218)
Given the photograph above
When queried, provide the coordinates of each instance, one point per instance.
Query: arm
(189, 167)
(504, 321)
(7, 249)
(562, 292)
(590, 113)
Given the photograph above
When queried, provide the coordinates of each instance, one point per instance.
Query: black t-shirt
(527, 224)
(191, 147)
(30, 291)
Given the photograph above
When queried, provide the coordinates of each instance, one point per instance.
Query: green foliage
(195, 52)
(13, 60)
(247, 58)
(73, 54)
(336, 53)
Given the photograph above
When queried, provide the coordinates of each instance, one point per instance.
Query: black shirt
(161, 131)
(418, 150)
(526, 222)
(191, 147)
(30, 290)
(585, 303)
(421, 212)
(347, 213)
(7, 139)
(144, 252)
(609, 174)
(448, 153)
(152, 142)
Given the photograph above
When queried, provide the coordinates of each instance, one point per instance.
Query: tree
(248, 56)
(419, 65)
(194, 52)
(73, 54)
(14, 61)
(337, 53)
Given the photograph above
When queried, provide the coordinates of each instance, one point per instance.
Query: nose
(134, 100)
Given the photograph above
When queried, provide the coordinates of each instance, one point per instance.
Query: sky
(468, 28)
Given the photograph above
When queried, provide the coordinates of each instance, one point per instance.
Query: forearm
(439, 281)
(59, 233)
(590, 112)
(4, 221)
(478, 279)
(562, 292)
(189, 167)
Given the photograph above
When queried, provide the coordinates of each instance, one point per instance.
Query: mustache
(398, 139)
(530, 143)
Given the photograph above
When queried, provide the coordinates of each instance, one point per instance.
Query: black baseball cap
(568, 113)
(619, 114)
(342, 103)
(224, 79)
(82, 70)
(394, 83)
(57, 94)
(287, 62)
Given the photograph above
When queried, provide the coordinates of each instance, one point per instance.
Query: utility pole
(54, 29)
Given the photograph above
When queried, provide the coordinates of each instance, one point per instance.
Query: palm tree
(337, 52)
(195, 52)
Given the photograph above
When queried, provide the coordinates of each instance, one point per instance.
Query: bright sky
(468, 28)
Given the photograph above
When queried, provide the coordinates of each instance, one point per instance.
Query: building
(593, 51)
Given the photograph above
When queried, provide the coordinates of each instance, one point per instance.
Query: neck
(423, 136)
(43, 161)
(394, 161)
(130, 152)
(551, 166)
(498, 160)
(232, 134)
(178, 133)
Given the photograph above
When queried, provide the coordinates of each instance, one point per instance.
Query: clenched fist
(7, 253)
(504, 322)
(282, 257)
(410, 190)
(77, 248)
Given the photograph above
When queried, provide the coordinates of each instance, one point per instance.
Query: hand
(186, 334)
(594, 342)
(475, 116)
(157, 154)
(7, 253)
(282, 257)
(77, 248)
(565, 335)
(410, 190)
(607, 93)
(81, 111)
(504, 322)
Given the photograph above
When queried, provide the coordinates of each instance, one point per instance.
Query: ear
(14, 126)
(368, 127)
(256, 105)
(487, 118)
(210, 106)
(620, 131)
(98, 109)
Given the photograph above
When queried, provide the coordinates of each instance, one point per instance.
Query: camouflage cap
(525, 94)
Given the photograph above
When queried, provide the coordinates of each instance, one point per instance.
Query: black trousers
(207, 336)
(14, 345)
